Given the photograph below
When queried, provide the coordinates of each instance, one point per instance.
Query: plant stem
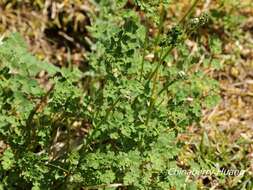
(32, 130)
(58, 167)
(109, 110)
(156, 74)
(163, 57)
(165, 87)
(189, 11)
(144, 50)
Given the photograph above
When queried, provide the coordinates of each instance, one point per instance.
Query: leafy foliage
(131, 109)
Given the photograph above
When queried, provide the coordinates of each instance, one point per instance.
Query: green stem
(189, 11)
(165, 87)
(144, 50)
(29, 122)
(160, 62)
(163, 57)
(156, 74)
(109, 111)
(58, 167)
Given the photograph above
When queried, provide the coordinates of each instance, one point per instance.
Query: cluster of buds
(195, 23)
(173, 37)
(177, 33)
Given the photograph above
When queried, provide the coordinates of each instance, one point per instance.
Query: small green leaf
(8, 159)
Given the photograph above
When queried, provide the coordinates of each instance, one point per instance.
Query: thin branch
(42, 101)
(32, 130)
(189, 11)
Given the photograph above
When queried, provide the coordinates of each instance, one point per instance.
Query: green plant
(113, 126)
